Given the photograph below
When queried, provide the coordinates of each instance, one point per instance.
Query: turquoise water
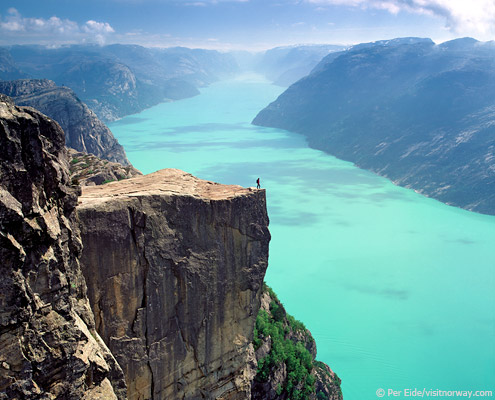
(397, 289)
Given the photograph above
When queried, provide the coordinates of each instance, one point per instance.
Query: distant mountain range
(118, 80)
(420, 114)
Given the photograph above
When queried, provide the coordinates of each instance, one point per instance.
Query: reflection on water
(397, 289)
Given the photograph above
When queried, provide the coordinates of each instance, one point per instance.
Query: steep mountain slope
(286, 65)
(118, 80)
(83, 130)
(420, 114)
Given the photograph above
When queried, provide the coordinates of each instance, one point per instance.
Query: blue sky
(241, 24)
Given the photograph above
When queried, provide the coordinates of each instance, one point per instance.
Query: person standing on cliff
(258, 183)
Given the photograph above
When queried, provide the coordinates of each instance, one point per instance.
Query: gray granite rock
(49, 347)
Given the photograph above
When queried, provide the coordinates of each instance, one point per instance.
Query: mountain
(8, 68)
(83, 130)
(197, 66)
(420, 114)
(286, 65)
(119, 80)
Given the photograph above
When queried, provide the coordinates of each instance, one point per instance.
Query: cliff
(175, 267)
(420, 114)
(83, 130)
(49, 347)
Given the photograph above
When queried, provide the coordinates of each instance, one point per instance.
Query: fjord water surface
(397, 289)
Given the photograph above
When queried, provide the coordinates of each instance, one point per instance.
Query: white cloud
(97, 27)
(461, 16)
(14, 28)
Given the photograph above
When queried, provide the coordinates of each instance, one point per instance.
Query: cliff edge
(175, 269)
(49, 347)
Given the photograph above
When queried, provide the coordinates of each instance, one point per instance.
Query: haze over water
(397, 289)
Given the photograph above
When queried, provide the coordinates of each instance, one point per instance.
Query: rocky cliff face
(175, 267)
(49, 347)
(83, 130)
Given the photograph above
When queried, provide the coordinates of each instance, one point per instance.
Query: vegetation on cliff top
(87, 169)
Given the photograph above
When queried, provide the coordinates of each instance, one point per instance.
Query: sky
(241, 24)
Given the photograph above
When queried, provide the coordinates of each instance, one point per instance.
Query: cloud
(97, 27)
(14, 28)
(14, 22)
(461, 16)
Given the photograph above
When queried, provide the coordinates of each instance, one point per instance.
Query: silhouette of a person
(258, 183)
